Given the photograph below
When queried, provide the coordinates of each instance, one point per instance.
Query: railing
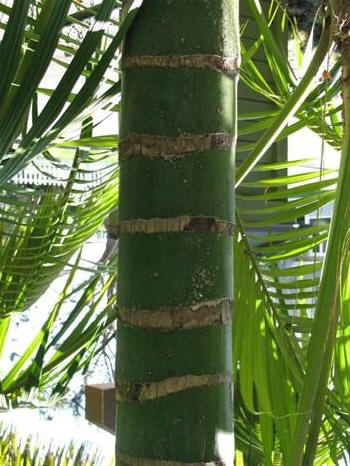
(48, 174)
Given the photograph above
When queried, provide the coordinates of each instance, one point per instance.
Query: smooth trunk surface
(175, 280)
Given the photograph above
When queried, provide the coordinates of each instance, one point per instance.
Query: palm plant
(173, 372)
(26, 452)
(64, 346)
(294, 310)
(43, 226)
(276, 306)
(33, 39)
(294, 318)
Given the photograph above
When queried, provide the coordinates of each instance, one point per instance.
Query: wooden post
(100, 405)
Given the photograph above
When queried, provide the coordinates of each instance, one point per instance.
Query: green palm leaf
(269, 209)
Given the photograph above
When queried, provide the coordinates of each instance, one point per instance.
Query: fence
(49, 174)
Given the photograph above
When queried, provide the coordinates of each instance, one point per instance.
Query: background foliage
(15, 451)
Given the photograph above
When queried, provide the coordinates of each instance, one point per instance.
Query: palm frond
(36, 40)
(271, 205)
(42, 227)
(64, 346)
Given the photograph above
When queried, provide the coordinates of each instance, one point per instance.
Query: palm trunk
(174, 382)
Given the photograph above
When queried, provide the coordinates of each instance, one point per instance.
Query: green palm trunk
(174, 383)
